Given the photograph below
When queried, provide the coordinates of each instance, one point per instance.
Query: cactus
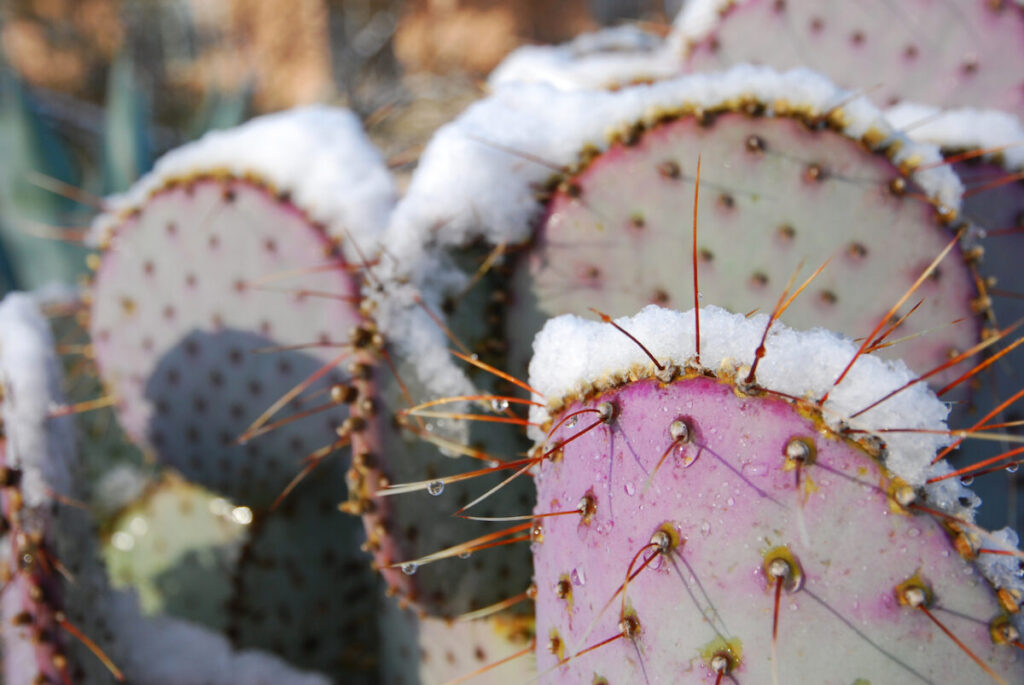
(807, 169)
(950, 54)
(175, 365)
(61, 620)
(223, 283)
(698, 489)
(984, 150)
(734, 518)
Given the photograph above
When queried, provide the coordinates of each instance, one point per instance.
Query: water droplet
(731, 502)
(465, 555)
(573, 421)
(409, 568)
(499, 405)
(537, 533)
(630, 489)
(657, 562)
(1012, 468)
(705, 528)
(435, 487)
(241, 515)
(966, 480)
(914, 532)
(689, 456)
(578, 577)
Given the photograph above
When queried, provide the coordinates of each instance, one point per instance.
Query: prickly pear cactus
(227, 319)
(222, 284)
(723, 524)
(484, 651)
(61, 620)
(984, 149)
(35, 452)
(946, 54)
(795, 171)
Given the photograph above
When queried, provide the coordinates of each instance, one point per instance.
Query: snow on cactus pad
(514, 140)
(996, 208)
(183, 310)
(775, 192)
(948, 54)
(33, 449)
(753, 483)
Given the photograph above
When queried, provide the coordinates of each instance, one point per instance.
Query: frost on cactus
(794, 170)
(226, 279)
(948, 54)
(50, 539)
(994, 204)
(735, 529)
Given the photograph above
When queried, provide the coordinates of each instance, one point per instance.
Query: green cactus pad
(406, 527)
(303, 588)
(177, 546)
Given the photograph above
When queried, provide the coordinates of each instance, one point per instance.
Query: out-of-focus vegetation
(92, 91)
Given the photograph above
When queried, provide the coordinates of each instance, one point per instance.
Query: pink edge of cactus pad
(729, 503)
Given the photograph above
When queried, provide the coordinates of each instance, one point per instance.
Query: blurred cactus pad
(426, 343)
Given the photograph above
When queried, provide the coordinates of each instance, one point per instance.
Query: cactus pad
(774, 193)
(303, 588)
(224, 252)
(53, 540)
(948, 54)
(781, 151)
(713, 495)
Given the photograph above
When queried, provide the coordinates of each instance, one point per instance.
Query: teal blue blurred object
(127, 145)
(220, 109)
(30, 152)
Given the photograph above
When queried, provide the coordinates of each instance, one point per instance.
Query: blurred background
(92, 91)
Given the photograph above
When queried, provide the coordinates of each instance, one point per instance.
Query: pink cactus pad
(730, 498)
(948, 54)
(774, 194)
(754, 491)
(229, 275)
(434, 650)
(180, 316)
